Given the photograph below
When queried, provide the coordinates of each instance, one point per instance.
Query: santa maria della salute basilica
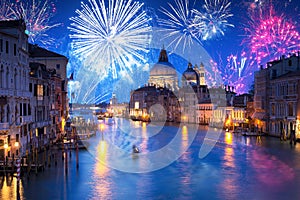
(165, 99)
(163, 74)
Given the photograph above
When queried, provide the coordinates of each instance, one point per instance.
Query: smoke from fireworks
(214, 20)
(110, 39)
(37, 16)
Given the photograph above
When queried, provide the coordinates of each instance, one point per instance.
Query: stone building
(43, 100)
(155, 104)
(14, 92)
(57, 62)
(32, 96)
(276, 99)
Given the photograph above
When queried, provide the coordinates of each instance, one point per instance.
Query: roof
(12, 23)
(36, 51)
(289, 74)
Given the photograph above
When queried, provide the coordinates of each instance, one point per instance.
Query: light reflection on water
(238, 167)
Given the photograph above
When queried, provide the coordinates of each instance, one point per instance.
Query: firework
(37, 16)
(110, 39)
(214, 20)
(270, 36)
(178, 25)
(5, 10)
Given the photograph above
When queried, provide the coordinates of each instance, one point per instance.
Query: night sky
(224, 45)
(251, 35)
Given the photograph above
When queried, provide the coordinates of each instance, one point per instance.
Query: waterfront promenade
(237, 167)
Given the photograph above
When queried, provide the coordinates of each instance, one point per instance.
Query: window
(40, 92)
(57, 66)
(273, 109)
(29, 109)
(15, 49)
(290, 109)
(30, 87)
(6, 49)
(1, 45)
(290, 62)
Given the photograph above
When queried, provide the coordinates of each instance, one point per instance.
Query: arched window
(8, 114)
(7, 77)
(15, 78)
(1, 76)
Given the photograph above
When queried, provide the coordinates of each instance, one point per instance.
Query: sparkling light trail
(110, 39)
(37, 16)
(178, 25)
(213, 21)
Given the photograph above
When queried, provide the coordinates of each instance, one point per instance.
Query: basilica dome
(190, 75)
(163, 73)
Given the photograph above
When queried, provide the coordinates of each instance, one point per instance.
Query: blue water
(238, 167)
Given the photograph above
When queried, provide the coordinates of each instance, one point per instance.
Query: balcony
(25, 119)
(6, 92)
(4, 126)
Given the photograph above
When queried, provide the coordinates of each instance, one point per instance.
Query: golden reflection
(184, 140)
(9, 188)
(144, 136)
(228, 138)
(136, 124)
(102, 156)
(103, 188)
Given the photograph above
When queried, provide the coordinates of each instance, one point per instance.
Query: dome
(190, 75)
(163, 69)
(163, 72)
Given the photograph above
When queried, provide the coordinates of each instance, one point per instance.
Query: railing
(4, 126)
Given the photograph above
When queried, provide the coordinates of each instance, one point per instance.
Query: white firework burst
(179, 26)
(214, 20)
(110, 38)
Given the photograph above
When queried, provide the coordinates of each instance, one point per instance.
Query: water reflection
(8, 186)
(230, 184)
(270, 170)
(102, 188)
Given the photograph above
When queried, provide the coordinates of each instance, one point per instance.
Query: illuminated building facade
(276, 99)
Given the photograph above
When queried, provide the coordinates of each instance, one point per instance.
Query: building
(155, 104)
(117, 109)
(14, 91)
(57, 62)
(276, 99)
(43, 104)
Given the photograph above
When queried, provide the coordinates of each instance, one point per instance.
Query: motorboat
(135, 149)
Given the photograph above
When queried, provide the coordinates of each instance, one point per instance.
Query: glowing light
(214, 20)
(110, 39)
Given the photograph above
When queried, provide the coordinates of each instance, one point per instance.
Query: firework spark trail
(269, 36)
(179, 25)
(104, 36)
(214, 20)
(101, 98)
(37, 16)
(6, 11)
(233, 73)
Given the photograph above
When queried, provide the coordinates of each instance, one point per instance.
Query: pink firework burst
(270, 36)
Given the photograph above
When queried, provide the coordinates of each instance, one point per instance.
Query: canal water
(169, 166)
